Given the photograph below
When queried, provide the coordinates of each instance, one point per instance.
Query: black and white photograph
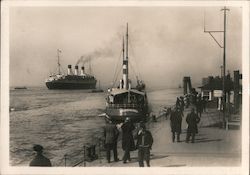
(128, 84)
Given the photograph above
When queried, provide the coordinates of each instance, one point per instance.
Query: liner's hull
(68, 85)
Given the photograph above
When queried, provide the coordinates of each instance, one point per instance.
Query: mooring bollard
(154, 118)
(65, 160)
(84, 156)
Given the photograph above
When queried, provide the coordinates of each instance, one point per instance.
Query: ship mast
(125, 62)
(58, 61)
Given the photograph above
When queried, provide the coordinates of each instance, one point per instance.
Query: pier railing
(90, 152)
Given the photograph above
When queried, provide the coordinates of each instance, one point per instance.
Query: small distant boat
(97, 90)
(21, 87)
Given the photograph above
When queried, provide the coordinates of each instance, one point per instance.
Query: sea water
(63, 121)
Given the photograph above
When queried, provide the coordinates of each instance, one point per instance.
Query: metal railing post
(84, 156)
(99, 151)
(65, 160)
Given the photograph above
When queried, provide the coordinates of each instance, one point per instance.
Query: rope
(117, 76)
(133, 53)
(116, 69)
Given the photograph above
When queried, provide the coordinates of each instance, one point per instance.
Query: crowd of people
(143, 136)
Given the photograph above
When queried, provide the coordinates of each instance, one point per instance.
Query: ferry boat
(124, 101)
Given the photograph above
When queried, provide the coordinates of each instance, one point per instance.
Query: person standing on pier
(199, 106)
(204, 104)
(175, 123)
(187, 100)
(111, 134)
(178, 102)
(182, 104)
(144, 144)
(192, 121)
(127, 139)
(40, 159)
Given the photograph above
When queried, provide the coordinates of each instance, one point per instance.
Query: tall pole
(221, 71)
(224, 64)
(224, 60)
(58, 61)
(126, 85)
(125, 63)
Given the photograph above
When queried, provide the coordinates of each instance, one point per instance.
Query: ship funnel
(76, 70)
(69, 70)
(82, 70)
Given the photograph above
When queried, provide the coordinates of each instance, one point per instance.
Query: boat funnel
(82, 70)
(76, 70)
(69, 70)
(120, 85)
(129, 84)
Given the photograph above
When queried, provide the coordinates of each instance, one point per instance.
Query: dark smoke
(109, 49)
(94, 55)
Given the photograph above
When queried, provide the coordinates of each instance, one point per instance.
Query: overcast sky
(166, 43)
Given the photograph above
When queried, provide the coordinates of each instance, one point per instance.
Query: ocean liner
(76, 80)
(124, 101)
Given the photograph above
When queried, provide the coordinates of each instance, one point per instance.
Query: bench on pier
(233, 121)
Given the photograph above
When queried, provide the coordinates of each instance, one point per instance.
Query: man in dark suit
(192, 120)
(175, 123)
(144, 144)
(111, 134)
(40, 159)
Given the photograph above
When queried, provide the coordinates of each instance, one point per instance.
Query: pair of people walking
(192, 120)
(143, 136)
(144, 142)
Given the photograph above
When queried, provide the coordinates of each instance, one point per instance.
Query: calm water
(62, 121)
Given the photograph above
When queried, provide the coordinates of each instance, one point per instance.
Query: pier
(214, 146)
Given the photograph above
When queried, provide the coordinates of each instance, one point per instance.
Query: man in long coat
(111, 134)
(192, 121)
(175, 123)
(127, 139)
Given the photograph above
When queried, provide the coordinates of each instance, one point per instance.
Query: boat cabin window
(126, 98)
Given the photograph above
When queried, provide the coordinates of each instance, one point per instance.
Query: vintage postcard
(110, 87)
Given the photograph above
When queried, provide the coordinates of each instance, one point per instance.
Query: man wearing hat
(175, 123)
(127, 139)
(192, 120)
(111, 134)
(144, 144)
(40, 159)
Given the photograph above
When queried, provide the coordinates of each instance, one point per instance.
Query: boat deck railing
(117, 106)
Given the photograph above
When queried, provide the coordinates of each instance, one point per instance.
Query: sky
(165, 43)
